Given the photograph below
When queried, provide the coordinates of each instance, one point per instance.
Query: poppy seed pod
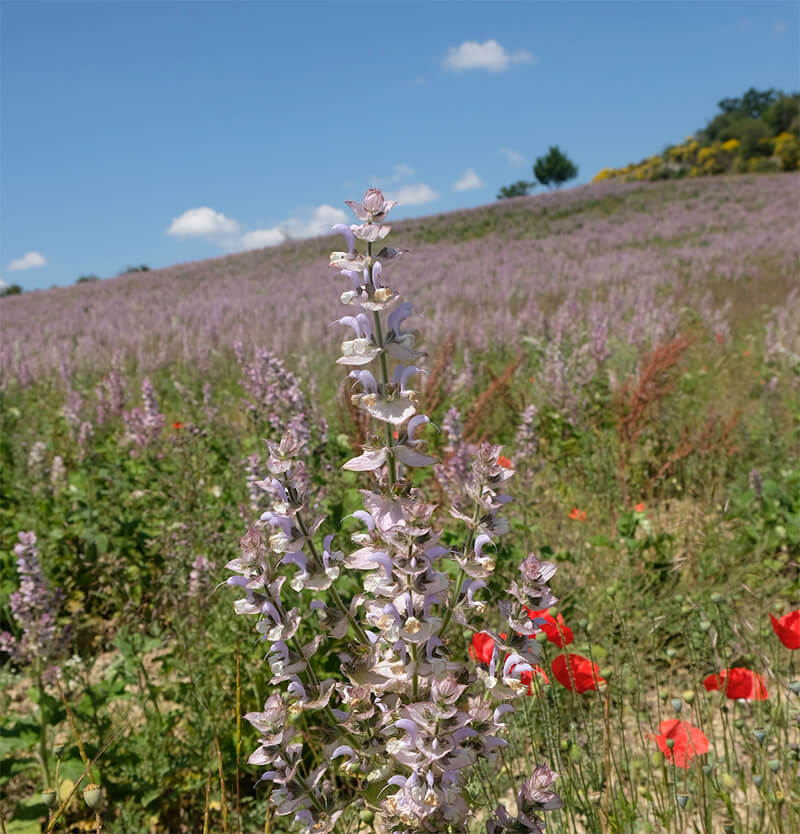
(49, 797)
(93, 796)
(683, 800)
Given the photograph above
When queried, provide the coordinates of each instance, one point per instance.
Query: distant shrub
(129, 269)
(516, 189)
(86, 279)
(11, 289)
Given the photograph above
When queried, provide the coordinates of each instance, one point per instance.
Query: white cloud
(30, 260)
(228, 234)
(413, 195)
(489, 56)
(399, 172)
(319, 222)
(259, 238)
(467, 181)
(514, 157)
(205, 223)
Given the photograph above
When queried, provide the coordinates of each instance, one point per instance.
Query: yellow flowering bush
(787, 149)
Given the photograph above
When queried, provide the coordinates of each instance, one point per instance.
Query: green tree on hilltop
(554, 169)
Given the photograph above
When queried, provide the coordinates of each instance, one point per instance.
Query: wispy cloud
(399, 173)
(215, 228)
(467, 181)
(490, 56)
(413, 195)
(513, 157)
(30, 260)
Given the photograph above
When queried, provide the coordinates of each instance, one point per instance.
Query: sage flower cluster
(34, 607)
(402, 718)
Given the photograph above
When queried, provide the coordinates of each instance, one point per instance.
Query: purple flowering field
(484, 521)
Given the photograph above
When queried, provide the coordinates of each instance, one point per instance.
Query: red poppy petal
(576, 673)
(482, 647)
(788, 629)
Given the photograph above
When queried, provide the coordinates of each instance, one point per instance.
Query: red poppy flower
(738, 683)
(788, 629)
(688, 741)
(482, 647)
(504, 462)
(720, 338)
(555, 628)
(580, 675)
(177, 425)
(577, 515)
(527, 677)
(639, 508)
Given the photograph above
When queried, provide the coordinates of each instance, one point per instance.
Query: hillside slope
(635, 254)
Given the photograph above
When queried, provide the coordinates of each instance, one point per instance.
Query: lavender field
(522, 556)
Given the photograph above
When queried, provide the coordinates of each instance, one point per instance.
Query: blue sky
(161, 132)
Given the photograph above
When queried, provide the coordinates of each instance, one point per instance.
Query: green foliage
(87, 279)
(516, 189)
(130, 269)
(11, 289)
(555, 168)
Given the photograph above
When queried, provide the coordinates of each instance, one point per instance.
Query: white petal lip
(367, 461)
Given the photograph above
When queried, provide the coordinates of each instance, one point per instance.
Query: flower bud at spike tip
(93, 796)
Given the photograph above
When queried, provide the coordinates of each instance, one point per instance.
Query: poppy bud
(774, 765)
(707, 769)
(575, 752)
(49, 797)
(366, 816)
(93, 796)
(727, 780)
(606, 673)
(795, 687)
(688, 695)
(670, 743)
(728, 827)
(705, 625)
(683, 800)
(671, 653)
(564, 744)
(738, 723)
(657, 758)
(717, 598)
(758, 779)
(760, 735)
(58, 750)
(677, 704)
